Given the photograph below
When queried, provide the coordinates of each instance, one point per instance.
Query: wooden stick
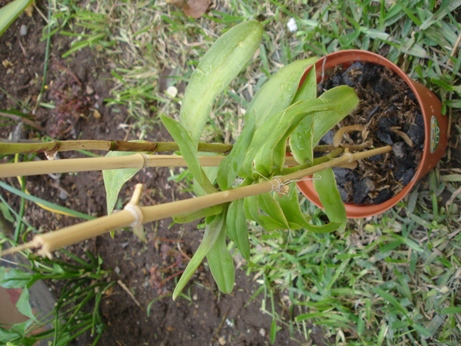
(52, 147)
(104, 163)
(52, 241)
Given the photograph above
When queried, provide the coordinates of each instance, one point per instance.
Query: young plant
(255, 181)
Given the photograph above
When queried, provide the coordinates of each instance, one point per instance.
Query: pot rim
(353, 55)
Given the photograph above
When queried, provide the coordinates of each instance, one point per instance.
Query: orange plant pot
(436, 127)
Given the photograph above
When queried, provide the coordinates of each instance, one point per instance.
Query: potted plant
(254, 181)
(434, 136)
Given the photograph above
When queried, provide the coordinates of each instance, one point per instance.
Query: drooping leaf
(270, 206)
(252, 212)
(296, 220)
(274, 96)
(302, 136)
(322, 122)
(114, 179)
(212, 232)
(237, 229)
(216, 69)
(325, 185)
(268, 145)
(24, 306)
(188, 151)
(221, 263)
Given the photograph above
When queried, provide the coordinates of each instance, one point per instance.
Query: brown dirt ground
(148, 270)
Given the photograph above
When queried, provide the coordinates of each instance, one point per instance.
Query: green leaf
(308, 135)
(252, 205)
(237, 229)
(188, 151)
(221, 264)
(114, 179)
(45, 203)
(14, 278)
(269, 141)
(212, 232)
(23, 305)
(273, 97)
(392, 300)
(273, 331)
(217, 68)
(268, 145)
(308, 90)
(301, 140)
(325, 185)
(10, 12)
(270, 206)
(296, 220)
(451, 310)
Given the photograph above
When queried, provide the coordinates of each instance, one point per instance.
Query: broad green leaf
(221, 264)
(325, 185)
(303, 132)
(252, 205)
(268, 146)
(114, 179)
(274, 96)
(210, 173)
(296, 220)
(308, 90)
(251, 208)
(237, 229)
(212, 232)
(270, 206)
(188, 151)
(23, 304)
(216, 69)
(14, 278)
(345, 100)
(308, 134)
(10, 12)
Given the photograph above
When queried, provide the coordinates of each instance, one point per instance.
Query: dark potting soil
(388, 114)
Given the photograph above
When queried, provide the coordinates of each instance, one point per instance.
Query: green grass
(387, 280)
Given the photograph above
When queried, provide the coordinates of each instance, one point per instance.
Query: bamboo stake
(104, 163)
(50, 148)
(52, 241)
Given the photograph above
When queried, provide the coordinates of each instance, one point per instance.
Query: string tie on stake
(349, 155)
(133, 208)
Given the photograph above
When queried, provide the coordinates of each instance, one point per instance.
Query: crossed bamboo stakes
(134, 215)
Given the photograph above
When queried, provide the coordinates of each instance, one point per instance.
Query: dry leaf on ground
(192, 8)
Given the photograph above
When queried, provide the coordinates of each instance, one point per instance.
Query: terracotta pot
(436, 126)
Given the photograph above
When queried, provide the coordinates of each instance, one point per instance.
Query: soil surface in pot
(388, 114)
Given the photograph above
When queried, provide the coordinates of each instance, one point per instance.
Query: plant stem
(52, 241)
(50, 148)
